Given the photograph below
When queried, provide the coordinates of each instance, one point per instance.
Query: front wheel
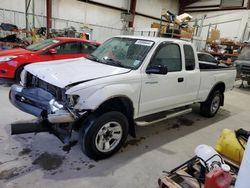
(103, 135)
(210, 107)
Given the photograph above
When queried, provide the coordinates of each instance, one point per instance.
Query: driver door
(163, 92)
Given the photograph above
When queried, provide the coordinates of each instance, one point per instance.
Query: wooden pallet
(181, 178)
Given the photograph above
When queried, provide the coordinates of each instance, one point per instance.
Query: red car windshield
(42, 44)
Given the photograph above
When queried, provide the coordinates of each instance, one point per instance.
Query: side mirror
(52, 51)
(157, 69)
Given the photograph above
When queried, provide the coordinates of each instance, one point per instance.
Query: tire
(97, 130)
(210, 107)
(18, 73)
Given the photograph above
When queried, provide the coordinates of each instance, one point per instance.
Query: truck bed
(211, 74)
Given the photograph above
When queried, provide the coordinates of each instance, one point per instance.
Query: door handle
(180, 79)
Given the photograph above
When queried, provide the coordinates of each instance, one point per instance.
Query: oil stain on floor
(134, 142)
(49, 161)
(185, 121)
(13, 172)
(25, 151)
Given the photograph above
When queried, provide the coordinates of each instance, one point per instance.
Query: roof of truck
(155, 39)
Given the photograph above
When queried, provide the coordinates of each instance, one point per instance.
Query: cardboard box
(214, 35)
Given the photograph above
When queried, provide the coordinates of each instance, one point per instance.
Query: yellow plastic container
(228, 146)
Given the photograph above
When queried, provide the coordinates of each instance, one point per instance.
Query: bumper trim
(63, 133)
(33, 126)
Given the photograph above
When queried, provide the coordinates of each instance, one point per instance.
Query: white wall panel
(18, 5)
(205, 3)
(116, 3)
(105, 22)
(154, 7)
(143, 22)
(230, 23)
(213, 2)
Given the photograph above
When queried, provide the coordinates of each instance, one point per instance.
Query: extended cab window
(206, 57)
(189, 57)
(168, 55)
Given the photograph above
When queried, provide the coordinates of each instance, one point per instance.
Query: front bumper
(52, 117)
(7, 69)
(39, 103)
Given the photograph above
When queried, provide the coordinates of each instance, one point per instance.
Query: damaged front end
(48, 103)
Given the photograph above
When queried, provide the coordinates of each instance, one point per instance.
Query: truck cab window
(168, 55)
(189, 57)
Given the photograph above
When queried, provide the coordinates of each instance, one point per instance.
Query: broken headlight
(72, 100)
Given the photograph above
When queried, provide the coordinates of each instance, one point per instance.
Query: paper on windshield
(144, 42)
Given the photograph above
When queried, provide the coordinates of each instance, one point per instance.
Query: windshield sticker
(144, 42)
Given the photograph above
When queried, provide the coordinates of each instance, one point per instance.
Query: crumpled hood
(61, 73)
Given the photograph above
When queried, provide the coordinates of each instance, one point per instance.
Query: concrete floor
(36, 161)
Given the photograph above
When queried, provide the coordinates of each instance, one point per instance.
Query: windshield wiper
(114, 62)
(93, 58)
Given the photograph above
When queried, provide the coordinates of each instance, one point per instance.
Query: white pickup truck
(128, 81)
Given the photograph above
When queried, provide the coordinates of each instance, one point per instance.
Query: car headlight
(7, 58)
(72, 100)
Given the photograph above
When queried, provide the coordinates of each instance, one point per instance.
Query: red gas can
(218, 178)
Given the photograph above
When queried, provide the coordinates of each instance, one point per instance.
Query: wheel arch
(218, 86)
(122, 104)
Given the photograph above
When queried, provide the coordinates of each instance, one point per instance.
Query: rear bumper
(39, 103)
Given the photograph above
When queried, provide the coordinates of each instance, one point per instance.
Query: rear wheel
(103, 135)
(210, 107)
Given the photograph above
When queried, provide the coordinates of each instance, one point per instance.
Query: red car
(12, 61)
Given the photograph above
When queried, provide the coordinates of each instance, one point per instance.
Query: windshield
(123, 52)
(245, 53)
(41, 45)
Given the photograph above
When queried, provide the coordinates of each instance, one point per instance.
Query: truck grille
(33, 81)
(245, 69)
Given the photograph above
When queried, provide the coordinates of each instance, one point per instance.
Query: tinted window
(42, 44)
(87, 48)
(210, 58)
(189, 57)
(201, 57)
(168, 55)
(207, 58)
(69, 48)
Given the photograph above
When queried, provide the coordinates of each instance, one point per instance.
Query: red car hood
(15, 52)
